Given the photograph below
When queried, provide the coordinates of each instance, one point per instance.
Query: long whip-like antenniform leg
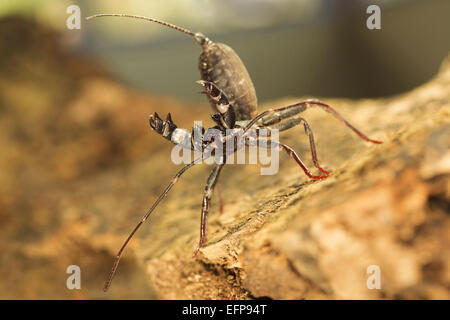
(142, 18)
(301, 106)
(210, 183)
(171, 184)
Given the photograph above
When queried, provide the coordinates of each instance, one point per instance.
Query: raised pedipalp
(226, 116)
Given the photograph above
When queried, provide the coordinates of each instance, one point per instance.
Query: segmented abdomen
(222, 66)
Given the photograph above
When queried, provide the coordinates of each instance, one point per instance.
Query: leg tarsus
(295, 156)
(290, 123)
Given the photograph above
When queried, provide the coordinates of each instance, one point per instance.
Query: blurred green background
(290, 47)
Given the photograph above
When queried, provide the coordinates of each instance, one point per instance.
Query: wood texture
(80, 166)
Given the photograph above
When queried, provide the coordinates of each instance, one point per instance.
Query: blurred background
(290, 47)
(74, 107)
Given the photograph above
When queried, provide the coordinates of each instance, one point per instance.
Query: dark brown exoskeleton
(232, 95)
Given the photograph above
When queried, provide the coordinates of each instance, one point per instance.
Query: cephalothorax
(232, 95)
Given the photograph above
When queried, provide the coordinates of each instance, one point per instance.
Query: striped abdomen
(222, 66)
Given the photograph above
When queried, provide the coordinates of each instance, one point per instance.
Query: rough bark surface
(292, 238)
(80, 166)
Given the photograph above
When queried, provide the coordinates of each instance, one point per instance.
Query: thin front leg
(210, 183)
(119, 254)
(289, 123)
(284, 112)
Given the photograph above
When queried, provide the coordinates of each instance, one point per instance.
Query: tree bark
(385, 206)
(80, 167)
